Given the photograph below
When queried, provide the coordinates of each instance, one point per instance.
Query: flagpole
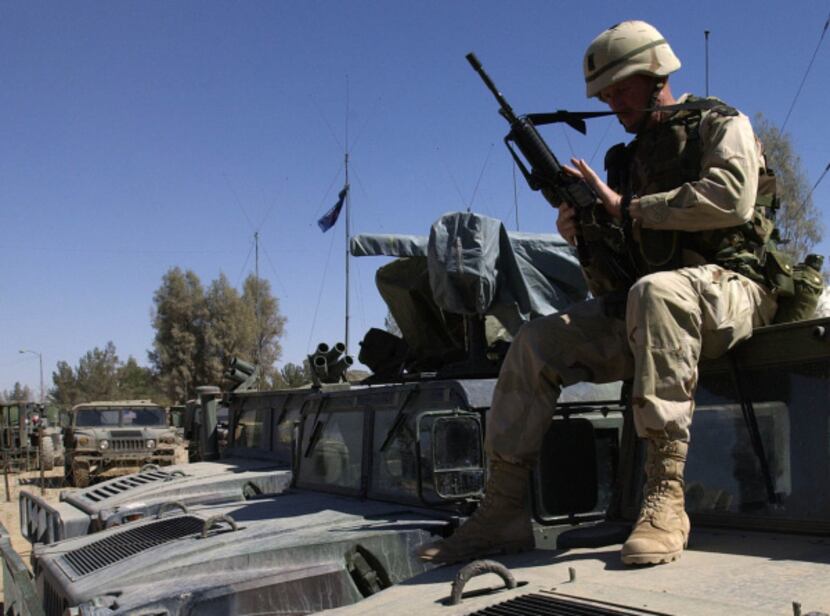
(348, 199)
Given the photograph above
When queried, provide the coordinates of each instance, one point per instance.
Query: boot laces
(654, 499)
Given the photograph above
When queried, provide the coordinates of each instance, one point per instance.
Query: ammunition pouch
(807, 286)
(778, 271)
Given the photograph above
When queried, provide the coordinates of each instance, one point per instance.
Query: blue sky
(138, 136)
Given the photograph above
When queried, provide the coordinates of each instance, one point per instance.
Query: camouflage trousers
(672, 320)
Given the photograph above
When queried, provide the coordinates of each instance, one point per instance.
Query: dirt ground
(9, 511)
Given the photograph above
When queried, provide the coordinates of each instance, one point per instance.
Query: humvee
(251, 464)
(30, 435)
(379, 469)
(107, 439)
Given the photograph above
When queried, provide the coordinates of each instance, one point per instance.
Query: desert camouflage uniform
(672, 318)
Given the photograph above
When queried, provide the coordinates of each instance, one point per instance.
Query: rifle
(546, 172)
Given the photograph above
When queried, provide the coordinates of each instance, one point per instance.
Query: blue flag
(328, 219)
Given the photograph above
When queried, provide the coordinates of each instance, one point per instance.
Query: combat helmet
(629, 48)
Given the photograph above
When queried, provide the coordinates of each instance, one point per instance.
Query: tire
(47, 453)
(80, 476)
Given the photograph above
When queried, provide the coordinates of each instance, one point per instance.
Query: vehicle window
(332, 452)
(723, 474)
(249, 429)
(144, 417)
(395, 469)
(92, 418)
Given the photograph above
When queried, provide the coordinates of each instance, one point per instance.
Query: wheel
(80, 476)
(47, 453)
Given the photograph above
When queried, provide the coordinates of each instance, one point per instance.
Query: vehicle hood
(288, 539)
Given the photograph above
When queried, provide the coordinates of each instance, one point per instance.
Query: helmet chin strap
(652, 103)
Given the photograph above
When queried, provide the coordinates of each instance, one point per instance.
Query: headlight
(151, 444)
(104, 444)
(83, 441)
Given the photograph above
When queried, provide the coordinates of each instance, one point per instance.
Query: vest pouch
(778, 272)
(808, 285)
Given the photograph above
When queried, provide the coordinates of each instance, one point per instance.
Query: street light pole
(40, 360)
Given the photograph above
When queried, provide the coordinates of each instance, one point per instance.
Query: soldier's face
(628, 98)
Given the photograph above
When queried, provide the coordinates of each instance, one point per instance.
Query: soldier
(684, 189)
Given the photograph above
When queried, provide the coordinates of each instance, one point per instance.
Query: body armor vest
(665, 157)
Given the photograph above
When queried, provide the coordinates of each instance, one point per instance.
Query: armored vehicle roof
(722, 572)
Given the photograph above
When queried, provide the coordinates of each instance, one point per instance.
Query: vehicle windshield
(130, 416)
(332, 450)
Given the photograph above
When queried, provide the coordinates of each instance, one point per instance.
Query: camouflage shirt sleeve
(724, 196)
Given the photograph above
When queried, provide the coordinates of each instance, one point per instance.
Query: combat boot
(662, 529)
(501, 523)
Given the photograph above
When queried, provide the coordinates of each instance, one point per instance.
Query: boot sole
(656, 558)
(514, 548)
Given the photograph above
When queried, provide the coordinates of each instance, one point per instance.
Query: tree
(198, 332)
(96, 374)
(293, 375)
(178, 354)
(229, 329)
(100, 375)
(19, 393)
(136, 382)
(65, 392)
(798, 219)
(264, 313)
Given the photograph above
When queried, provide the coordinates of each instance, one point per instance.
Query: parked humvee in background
(381, 468)
(252, 464)
(108, 439)
(30, 435)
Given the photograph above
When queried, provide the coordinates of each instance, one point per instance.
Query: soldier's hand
(566, 223)
(610, 199)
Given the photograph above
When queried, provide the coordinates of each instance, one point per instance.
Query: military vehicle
(30, 435)
(107, 439)
(756, 479)
(384, 467)
(252, 464)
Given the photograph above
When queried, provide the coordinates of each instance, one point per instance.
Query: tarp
(477, 267)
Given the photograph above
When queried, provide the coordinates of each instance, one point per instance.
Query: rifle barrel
(506, 110)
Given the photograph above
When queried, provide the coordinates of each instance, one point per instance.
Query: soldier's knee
(656, 288)
(536, 340)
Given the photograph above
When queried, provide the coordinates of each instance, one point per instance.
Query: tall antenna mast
(706, 37)
(257, 311)
(348, 222)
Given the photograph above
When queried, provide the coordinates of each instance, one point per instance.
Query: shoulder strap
(576, 119)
